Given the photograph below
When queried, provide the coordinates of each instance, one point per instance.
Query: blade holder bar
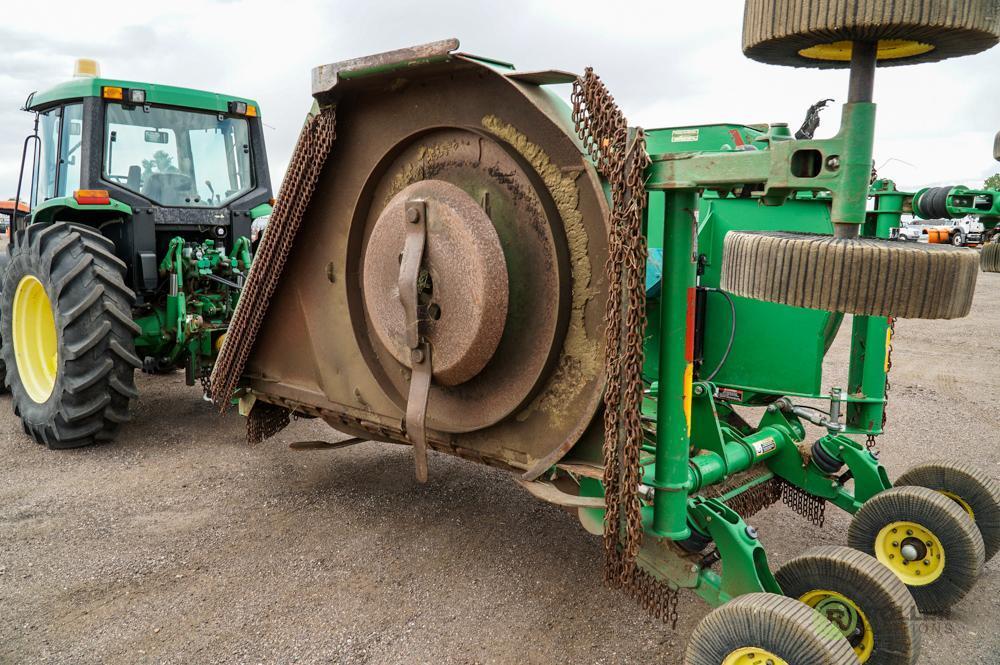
(421, 372)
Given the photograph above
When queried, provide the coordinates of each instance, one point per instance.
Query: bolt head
(833, 162)
(412, 215)
(416, 356)
(751, 532)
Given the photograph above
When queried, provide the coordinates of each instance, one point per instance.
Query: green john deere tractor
(135, 248)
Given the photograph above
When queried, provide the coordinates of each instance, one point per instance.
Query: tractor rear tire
(771, 627)
(68, 335)
(969, 487)
(861, 597)
(925, 539)
(4, 262)
(989, 257)
(857, 276)
(818, 33)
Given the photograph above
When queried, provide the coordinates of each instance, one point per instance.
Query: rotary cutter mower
(632, 322)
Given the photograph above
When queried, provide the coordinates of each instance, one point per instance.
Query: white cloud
(667, 63)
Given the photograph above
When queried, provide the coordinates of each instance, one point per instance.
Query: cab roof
(78, 88)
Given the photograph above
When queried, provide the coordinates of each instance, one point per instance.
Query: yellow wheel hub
(888, 49)
(35, 339)
(963, 504)
(753, 656)
(911, 551)
(847, 617)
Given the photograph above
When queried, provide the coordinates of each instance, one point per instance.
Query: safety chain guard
(265, 420)
(807, 505)
(307, 162)
(620, 156)
(871, 442)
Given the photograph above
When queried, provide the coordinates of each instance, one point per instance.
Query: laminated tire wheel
(989, 257)
(767, 628)
(870, 606)
(926, 539)
(970, 487)
(819, 33)
(856, 276)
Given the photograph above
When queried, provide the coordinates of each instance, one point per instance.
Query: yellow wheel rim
(847, 617)
(888, 49)
(753, 656)
(911, 551)
(35, 340)
(961, 502)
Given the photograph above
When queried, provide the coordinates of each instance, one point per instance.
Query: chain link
(809, 506)
(265, 420)
(303, 172)
(870, 442)
(620, 156)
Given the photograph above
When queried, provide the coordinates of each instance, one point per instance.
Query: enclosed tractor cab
(135, 248)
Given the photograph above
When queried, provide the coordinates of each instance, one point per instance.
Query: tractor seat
(169, 188)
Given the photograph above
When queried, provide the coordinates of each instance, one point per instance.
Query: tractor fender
(67, 209)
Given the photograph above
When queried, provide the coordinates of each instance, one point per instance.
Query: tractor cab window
(69, 150)
(45, 169)
(177, 157)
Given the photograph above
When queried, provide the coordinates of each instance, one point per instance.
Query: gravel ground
(180, 543)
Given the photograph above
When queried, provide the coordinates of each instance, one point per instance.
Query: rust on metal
(523, 218)
(326, 445)
(543, 77)
(552, 494)
(326, 77)
(462, 281)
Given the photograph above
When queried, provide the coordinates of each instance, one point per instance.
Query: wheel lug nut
(909, 532)
(927, 562)
(895, 543)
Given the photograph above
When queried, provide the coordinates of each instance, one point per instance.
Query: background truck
(134, 249)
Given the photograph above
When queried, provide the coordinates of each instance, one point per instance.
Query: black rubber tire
(4, 262)
(964, 552)
(958, 239)
(94, 330)
(970, 484)
(775, 31)
(787, 628)
(989, 257)
(858, 276)
(881, 596)
(932, 204)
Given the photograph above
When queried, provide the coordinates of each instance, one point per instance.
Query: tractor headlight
(136, 96)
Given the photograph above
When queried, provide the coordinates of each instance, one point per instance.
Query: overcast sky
(668, 63)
